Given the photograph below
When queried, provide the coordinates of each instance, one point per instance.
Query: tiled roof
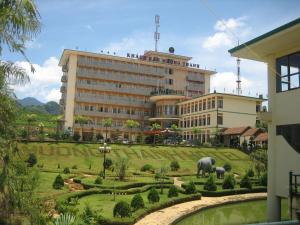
(235, 130)
(262, 137)
(251, 132)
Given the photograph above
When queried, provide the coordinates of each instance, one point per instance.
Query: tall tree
(175, 130)
(58, 120)
(30, 118)
(131, 124)
(81, 120)
(106, 123)
(155, 127)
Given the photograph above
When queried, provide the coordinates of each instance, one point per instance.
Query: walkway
(177, 182)
(168, 215)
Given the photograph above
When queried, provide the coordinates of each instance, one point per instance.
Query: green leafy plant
(229, 182)
(122, 209)
(65, 219)
(250, 172)
(263, 180)
(98, 180)
(32, 159)
(66, 170)
(173, 191)
(58, 182)
(210, 184)
(227, 167)
(74, 167)
(147, 167)
(174, 165)
(137, 202)
(153, 196)
(108, 163)
(246, 182)
(190, 188)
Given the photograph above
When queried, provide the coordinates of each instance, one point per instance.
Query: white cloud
(44, 82)
(89, 27)
(218, 39)
(33, 44)
(231, 24)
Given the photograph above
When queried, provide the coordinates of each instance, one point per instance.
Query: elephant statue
(220, 171)
(204, 165)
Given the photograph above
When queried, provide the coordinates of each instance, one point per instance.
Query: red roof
(251, 132)
(262, 137)
(235, 130)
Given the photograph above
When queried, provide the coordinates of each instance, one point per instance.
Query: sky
(202, 29)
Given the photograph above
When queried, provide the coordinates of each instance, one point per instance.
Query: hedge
(237, 191)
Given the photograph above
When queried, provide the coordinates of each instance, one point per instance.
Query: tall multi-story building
(101, 86)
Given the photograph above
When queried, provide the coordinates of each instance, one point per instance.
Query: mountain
(52, 108)
(30, 101)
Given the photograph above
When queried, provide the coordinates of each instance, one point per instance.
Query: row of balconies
(63, 89)
(195, 77)
(100, 126)
(114, 100)
(195, 87)
(113, 115)
(117, 77)
(64, 78)
(135, 68)
(112, 87)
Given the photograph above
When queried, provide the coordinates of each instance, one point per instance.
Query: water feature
(233, 214)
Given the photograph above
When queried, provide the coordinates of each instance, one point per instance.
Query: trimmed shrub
(190, 188)
(227, 167)
(147, 167)
(67, 170)
(58, 182)
(250, 172)
(137, 202)
(246, 182)
(210, 184)
(32, 160)
(229, 182)
(263, 180)
(74, 167)
(122, 209)
(173, 191)
(174, 165)
(108, 163)
(153, 195)
(98, 180)
(77, 180)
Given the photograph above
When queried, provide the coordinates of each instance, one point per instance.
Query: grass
(89, 160)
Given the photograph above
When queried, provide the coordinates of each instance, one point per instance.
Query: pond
(231, 214)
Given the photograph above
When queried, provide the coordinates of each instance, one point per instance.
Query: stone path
(177, 182)
(73, 186)
(168, 215)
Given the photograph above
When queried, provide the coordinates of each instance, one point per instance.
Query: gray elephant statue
(205, 165)
(220, 171)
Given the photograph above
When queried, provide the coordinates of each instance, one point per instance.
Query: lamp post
(105, 149)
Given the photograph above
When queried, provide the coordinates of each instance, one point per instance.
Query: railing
(112, 87)
(64, 78)
(135, 79)
(114, 100)
(194, 77)
(193, 87)
(109, 114)
(100, 126)
(134, 68)
(63, 89)
(167, 92)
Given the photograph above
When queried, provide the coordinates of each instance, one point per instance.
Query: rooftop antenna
(156, 33)
(238, 82)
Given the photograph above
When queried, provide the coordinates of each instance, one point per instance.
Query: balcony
(113, 88)
(167, 92)
(64, 78)
(64, 68)
(63, 89)
(265, 116)
(117, 101)
(62, 102)
(195, 78)
(109, 114)
(100, 126)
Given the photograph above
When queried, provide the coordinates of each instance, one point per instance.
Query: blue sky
(194, 27)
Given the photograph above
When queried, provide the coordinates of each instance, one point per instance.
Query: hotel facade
(101, 86)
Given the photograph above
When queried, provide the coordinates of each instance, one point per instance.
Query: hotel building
(101, 86)
(280, 49)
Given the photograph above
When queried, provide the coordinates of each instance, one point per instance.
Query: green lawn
(85, 156)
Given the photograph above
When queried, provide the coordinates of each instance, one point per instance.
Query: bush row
(233, 191)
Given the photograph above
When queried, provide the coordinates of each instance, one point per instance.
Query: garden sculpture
(204, 165)
(220, 171)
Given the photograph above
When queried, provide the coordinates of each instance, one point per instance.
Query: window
(208, 103)
(200, 106)
(208, 120)
(86, 108)
(181, 110)
(171, 71)
(196, 107)
(192, 107)
(288, 72)
(200, 121)
(204, 105)
(220, 103)
(203, 121)
(213, 103)
(115, 110)
(257, 108)
(220, 119)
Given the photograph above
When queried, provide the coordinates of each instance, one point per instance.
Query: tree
(155, 127)
(174, 165)
(131, 124)
(32, 160)
(153, 195)
(210, 184)
(161, 175)
(122, 209)
(259, 158)
(81, 120)
(121, 167)
(137, 202)
(58, 120)
(41, 134)
(107, 123)
(196, 131)
(30, 118)
(190, 188)
(173, 191)
(176, 131)
(229, 182)
(58, 182)
(246, 182)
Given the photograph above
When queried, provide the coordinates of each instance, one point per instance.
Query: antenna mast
(156, 33)
(238, 82)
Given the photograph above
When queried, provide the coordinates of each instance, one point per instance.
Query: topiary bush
(98, 180)
(137, 202)
(108, 163)
(147, 167)
(229, 182)
(263, 180)
(250, 172)
(58, 182)
(246, 182)
(227, 167)
(190, 188)
(153, 195)
(74, 167)
(67, 170)
(122, 209)
(174, 166)
(32, 160)
(173, 191)
(210, 184)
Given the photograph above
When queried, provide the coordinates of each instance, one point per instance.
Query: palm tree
(58, 120)
(131, 124)
(155, 127)
(196, 132)
(81, 120)
(107, 123)
(175, 130)
(30, 118)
